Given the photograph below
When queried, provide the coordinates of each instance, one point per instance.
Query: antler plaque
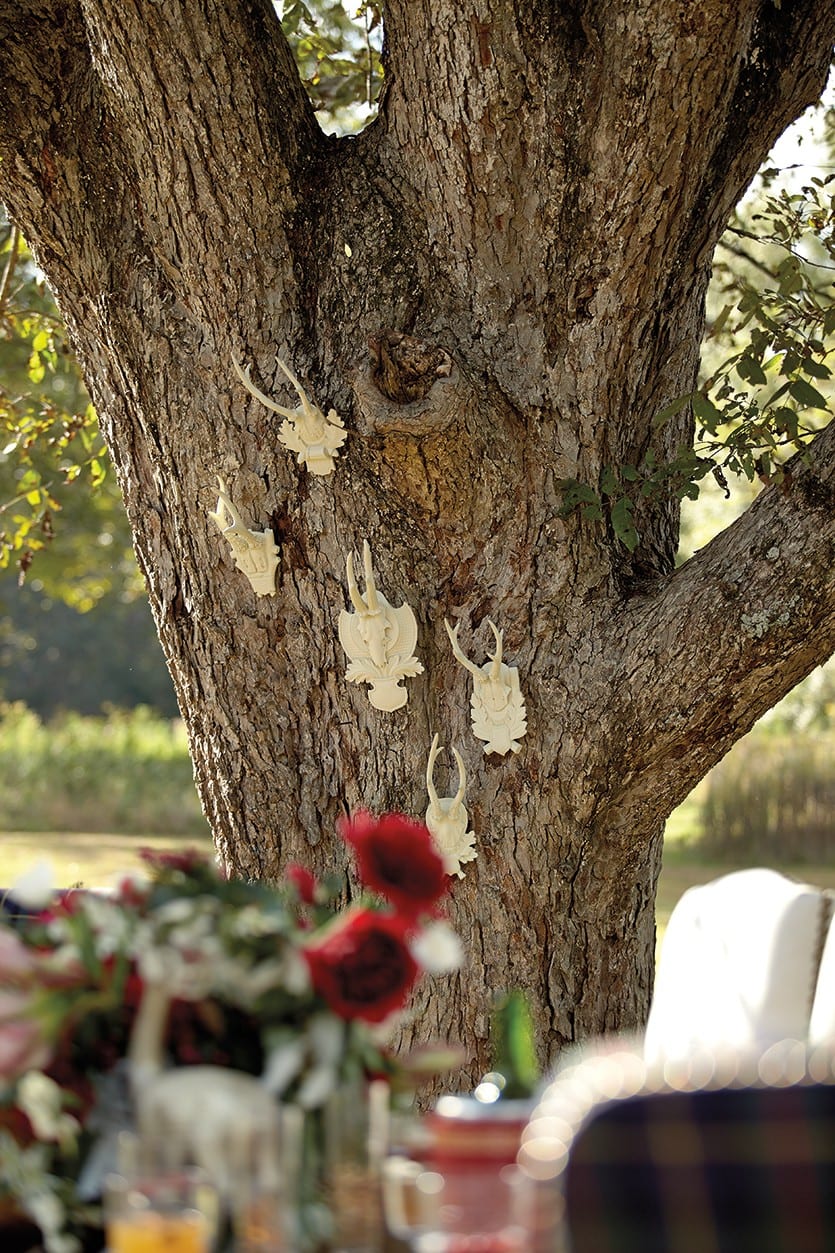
(307, 432)
(379, 640)
(496, 704)
(255, 552)
(446, 817)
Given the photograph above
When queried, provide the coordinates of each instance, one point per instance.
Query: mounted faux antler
(378, 639)
(497, 707)
(369, 605)
(446, 817)
(255, 552)
(306, 431)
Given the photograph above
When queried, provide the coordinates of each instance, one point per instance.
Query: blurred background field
(125, 771)
(87, 792)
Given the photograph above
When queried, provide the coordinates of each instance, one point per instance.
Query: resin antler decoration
(379, 640)
(255, 552)
(307, 432)
(497, 706)
(447, 819)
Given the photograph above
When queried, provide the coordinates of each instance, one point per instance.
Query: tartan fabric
(747, 1170)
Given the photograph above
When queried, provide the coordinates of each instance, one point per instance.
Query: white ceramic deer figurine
(314, 438)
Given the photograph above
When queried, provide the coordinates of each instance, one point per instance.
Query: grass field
(94, 860)
(81, 860)
(683, 867)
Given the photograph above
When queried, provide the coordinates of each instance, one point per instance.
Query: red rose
(184, 860)
(396, 857)
(362, 967)
(303, 881)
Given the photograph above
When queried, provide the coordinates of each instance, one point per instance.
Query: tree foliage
(766, 388)
(49, 446)
(337, 50)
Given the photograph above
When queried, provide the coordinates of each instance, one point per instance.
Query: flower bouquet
(105, 996)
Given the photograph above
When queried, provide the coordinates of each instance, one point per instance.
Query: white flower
(181, 909)
(252, 921)
(111, 925)
(295, 973)
(189, 979)
(47, 1211)
(437, 948)
(316, 1087)
(35, 887)
(61, 1242)
(40, 1099)
(284, 1062)
(326, 1034)
(22, 1170)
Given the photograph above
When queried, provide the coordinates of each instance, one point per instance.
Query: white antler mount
(446, 817)
(379, 640)
(497, 706)
(255, 552)
(307, 432)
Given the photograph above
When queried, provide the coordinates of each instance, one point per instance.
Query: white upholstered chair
(747, 960)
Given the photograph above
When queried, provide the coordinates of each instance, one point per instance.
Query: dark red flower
(396, 857)
(361, 966)
(131, 892)
(185, 860)
(303, 881)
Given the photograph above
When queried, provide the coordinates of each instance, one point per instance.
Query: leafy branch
(48, 431)
(770, 388)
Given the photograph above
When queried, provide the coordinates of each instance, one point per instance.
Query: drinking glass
(465, 1211)
(160, 1211)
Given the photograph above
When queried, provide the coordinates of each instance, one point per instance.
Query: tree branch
(735, 628)
(128, 129)
(783, 71)
(213, 84)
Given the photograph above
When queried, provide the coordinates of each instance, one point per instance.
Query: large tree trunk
(539, 198)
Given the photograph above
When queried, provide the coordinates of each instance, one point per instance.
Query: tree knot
(404, 367)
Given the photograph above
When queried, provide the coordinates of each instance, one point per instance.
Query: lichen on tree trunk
(497, 285)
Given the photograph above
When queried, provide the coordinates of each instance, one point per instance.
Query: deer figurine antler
(255, 552)
(446, 817)
(306, 431)
(378, 639)
(496, 704)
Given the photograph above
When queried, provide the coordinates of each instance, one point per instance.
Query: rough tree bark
(540, 198)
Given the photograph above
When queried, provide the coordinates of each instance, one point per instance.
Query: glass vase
(331, 1158)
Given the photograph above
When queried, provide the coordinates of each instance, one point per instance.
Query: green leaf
(670, 410)
(805, 394)
(785, 421)
(706, 412)
(513, 1049)
(721, 319)
(817, 369)
(36, 368)
(623, 524)
(750, 370)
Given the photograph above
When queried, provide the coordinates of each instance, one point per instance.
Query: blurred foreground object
(730, 1157)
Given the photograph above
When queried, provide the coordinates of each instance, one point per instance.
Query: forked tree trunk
(537, 205)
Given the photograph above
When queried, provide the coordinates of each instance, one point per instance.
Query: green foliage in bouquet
(515, 1068)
